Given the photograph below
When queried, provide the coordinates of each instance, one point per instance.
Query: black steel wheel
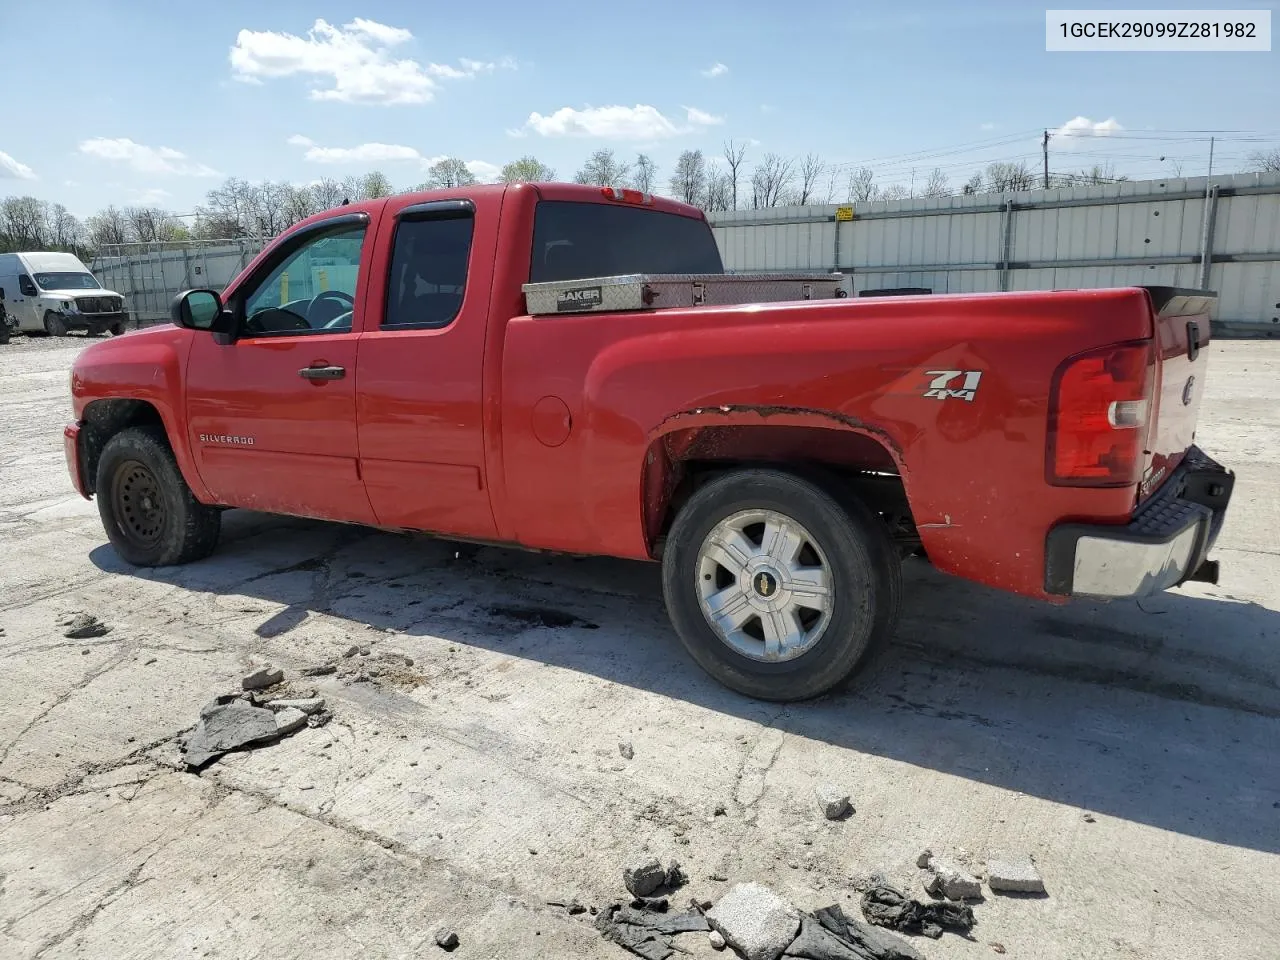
(149, 513)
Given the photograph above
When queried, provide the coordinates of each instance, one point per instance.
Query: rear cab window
(575, 241)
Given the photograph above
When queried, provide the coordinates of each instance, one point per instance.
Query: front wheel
(147, 509)
(776, 588)
(54, 325)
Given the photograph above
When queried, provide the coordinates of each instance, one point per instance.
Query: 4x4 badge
(940, 387)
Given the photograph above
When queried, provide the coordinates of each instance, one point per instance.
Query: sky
(157, 102)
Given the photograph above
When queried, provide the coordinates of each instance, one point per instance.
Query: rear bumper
(71, 448)
(1165, 543)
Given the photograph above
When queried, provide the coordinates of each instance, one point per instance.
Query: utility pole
(1046, 159)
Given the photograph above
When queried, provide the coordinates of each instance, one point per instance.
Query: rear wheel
(147, 509)
(117, 328)
(776, 588)
(54, 325)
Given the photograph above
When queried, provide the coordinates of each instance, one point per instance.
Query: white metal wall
(1147, 232)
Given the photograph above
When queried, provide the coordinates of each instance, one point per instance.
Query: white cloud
(641, 122)
(363, 153)
(715, 70)
(368, 153)
(987, 126)
(11, 169)
(149, 196)
(484, 171)
(355, 60)
(1080, 128)
(701, 118)
(145, 159)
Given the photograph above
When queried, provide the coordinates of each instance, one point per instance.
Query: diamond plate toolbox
(642, 291)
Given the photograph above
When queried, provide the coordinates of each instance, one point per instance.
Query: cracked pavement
(486, 779)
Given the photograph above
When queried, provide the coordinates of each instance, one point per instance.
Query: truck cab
(53, 293)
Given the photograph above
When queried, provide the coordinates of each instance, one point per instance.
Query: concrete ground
(1131, 750)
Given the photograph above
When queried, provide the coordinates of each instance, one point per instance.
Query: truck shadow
(1165, 715)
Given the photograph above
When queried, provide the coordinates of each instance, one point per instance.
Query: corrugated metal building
(1141, 232)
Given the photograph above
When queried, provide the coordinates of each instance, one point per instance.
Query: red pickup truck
(378, 364)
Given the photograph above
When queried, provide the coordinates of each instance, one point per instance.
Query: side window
(428, 271)
(313, 290)
(25, 286)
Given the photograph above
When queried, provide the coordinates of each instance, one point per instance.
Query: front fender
(148, 367)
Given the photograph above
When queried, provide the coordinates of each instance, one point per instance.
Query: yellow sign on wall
(844, 213)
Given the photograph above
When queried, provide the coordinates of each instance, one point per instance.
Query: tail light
(1099, 409)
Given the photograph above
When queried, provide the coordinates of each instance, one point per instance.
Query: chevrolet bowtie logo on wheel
(766, 586)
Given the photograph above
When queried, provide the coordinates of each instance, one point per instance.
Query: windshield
(66, 281)
(574, 241)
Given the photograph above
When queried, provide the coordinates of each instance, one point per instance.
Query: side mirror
(199, 310)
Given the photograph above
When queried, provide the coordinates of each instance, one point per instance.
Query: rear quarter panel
(974, 471)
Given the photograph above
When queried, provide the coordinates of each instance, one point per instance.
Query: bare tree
(149, 224)
(646, 173)
(895, 191)
(719, 191)
(811, 168)
(771, 180)
(299, 203)
(862, 186)
(107, 226)
(937, 185)
(326, 193)
(527, 170)
(603, 169)
(1005, 177)
(375, 185)
(235, 202)
(689, 182)
(974, 185)
(24, 221)
(1265, 161)
(64, 229)
(271, 207)
(734, 155)
(448, 172)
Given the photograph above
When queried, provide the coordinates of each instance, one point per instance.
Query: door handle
(322, 373)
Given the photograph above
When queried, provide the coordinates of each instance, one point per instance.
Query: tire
(54, 324)
(843, 546)
(4, 333)
(94, 330)
(117, 328)
(148, 511)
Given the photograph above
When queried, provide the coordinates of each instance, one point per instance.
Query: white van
(54, 292)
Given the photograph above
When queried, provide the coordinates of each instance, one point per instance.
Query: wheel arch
(845, 459)
(103, 419)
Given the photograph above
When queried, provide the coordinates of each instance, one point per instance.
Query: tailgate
(1181, 338)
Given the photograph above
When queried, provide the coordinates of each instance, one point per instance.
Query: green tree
(527, 169)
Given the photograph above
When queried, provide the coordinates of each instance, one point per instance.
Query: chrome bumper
(1165, 543)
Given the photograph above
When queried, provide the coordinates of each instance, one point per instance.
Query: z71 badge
(948, 385)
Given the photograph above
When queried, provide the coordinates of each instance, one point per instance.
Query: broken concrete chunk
(717, 940)
(951, 880)
(627, 750)
(319, 719)
(676, 877)
(289, 721)
(755, 921)
(644, 877)
(321, 671)
(446, 939)
(307, 705)
(226, 726)
(351, 651)
(84, 626)
(1015, 874)
(832, 802)
(922, 861)
(262, 678)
